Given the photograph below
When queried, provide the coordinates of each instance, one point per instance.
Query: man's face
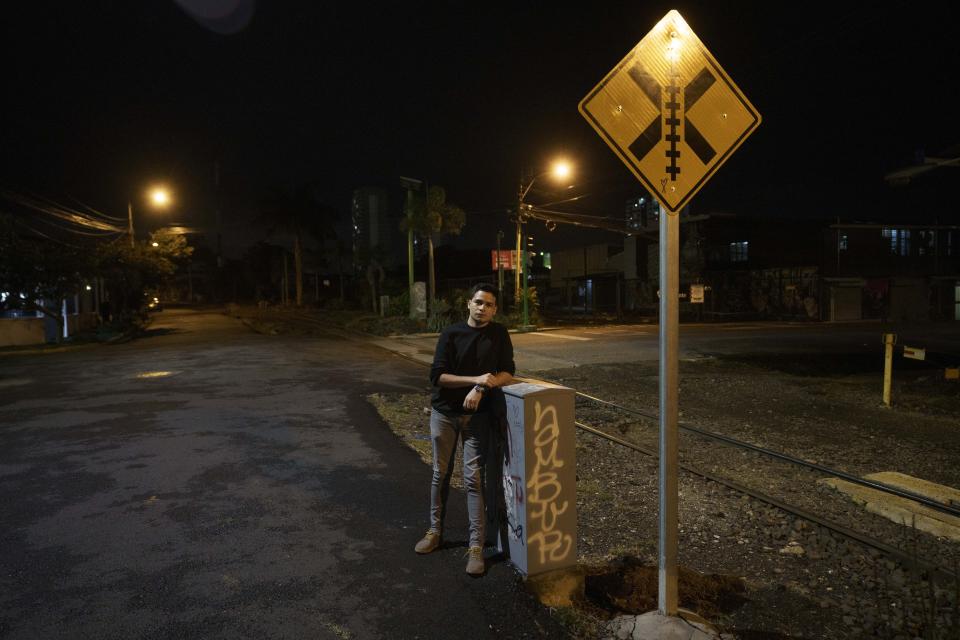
(482, 308)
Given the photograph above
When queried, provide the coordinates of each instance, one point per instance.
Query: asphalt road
(574, 346)
(209, 482)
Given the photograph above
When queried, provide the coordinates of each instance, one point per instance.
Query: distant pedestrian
(471, 359)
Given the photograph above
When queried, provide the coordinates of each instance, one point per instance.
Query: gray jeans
(444, 433)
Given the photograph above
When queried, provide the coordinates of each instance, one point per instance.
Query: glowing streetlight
(159, 197)
(561, 170)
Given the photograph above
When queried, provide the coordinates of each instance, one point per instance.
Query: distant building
(772, 268)
(895, 271)
(642, 213)
(375, 228)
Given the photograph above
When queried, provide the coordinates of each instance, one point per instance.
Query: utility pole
(499, 263)
(410, 185)
(216, 186)
(130, 222)
(286, 280)
(516, 274)
(560, 170)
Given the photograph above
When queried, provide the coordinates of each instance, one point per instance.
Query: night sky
(103, 99)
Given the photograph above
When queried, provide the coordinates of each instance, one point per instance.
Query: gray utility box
(540, 477)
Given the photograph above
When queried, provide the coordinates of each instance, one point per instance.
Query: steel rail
(879, 486)
(872, 484)
(864, 539)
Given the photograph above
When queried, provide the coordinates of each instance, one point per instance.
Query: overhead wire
(99, 213)
(582, 220)
(50, 238)
(51, 208)
(62, 227)
(95, 234)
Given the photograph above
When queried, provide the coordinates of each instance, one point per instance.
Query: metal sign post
(673, 116)
(669, 376)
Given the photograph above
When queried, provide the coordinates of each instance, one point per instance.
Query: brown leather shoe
(430, 541)
(475, 564)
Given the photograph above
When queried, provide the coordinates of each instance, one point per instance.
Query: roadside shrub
(440, 315)
(447, 310)
(399, 304)
(515, 317)
(335, 304)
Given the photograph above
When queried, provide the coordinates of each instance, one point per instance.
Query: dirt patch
(409, 418)
(628, 585)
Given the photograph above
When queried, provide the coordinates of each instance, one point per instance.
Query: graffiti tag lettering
(544, 489)
(513, 496)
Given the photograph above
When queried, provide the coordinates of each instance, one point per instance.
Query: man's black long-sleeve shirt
(463, 350)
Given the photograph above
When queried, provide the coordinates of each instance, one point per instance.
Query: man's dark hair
(484, 286)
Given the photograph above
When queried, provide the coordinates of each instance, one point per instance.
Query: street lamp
(158, 196)
(560, 170)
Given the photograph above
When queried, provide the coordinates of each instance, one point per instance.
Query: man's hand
(487, 380)
(472, 401)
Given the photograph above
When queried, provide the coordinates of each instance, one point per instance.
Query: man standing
(472, 358)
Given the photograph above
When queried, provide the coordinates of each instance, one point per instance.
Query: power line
(580, 220)
(51, 239)
(99, 213)
(95, 234)
(49, 207)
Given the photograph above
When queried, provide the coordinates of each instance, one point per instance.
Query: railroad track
(904, 557)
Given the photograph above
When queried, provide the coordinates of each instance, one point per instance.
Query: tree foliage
(128, 272)
(301, 214)
(35, 273)
(38, 272)
(433, 215)
(429, 216)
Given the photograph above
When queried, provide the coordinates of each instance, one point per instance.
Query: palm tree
(434, 215)
(300, 214)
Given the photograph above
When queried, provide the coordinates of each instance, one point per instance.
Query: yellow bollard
(889, 339)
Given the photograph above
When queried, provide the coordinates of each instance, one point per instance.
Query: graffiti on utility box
(539, 477)
(544, 489)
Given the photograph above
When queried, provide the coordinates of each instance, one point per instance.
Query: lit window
(926, 242)
(842, 242)
(899, 240)
(738, 251)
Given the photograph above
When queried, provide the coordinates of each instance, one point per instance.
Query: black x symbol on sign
(653, 134)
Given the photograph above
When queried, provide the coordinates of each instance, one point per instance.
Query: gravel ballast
(802, 580)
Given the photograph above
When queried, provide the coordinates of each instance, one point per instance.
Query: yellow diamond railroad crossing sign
(670, 112)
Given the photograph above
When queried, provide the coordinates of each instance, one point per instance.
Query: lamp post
(160, 198)
(559, 171)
